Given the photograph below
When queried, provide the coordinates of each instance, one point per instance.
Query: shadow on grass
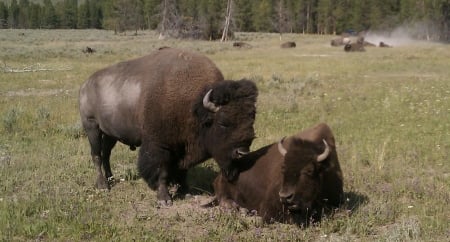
(353, 200)
(200, 180)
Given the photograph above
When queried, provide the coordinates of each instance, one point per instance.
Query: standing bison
(289, 180)
(177, 107)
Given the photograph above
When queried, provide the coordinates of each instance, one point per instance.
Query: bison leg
(95, 140)
(107, 145)
(153, 166)
(180, 178)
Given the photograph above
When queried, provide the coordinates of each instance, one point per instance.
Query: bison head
(303, 163)
(226, 114)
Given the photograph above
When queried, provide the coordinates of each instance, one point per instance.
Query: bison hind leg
(94, 135)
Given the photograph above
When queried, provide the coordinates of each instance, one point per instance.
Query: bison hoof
(102, 183)
(111, 181)
(164, 203)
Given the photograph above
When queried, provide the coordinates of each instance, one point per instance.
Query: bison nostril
(286, 197)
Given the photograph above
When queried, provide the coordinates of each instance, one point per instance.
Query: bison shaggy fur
(288, 44)
(289, 181)
(175, 105)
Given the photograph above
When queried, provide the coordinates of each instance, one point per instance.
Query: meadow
(389, 109)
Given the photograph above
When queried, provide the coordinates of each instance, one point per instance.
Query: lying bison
(288, 44)
(354, 47)
(287, 181)
(241, 45)
(384, 45)
(177, 106)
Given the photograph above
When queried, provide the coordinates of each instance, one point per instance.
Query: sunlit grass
(389, 110)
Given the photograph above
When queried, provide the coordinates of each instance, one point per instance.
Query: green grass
(389, 110)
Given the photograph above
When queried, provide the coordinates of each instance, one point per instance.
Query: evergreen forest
(205, 19)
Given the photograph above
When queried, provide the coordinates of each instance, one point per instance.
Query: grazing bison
(294, 178)
(288, 44)
(88, 50)
(177, 107)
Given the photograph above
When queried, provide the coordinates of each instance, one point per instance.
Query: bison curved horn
(325, 153)
(208, 104)
(281, 149)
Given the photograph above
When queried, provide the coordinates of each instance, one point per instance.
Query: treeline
(206, 18)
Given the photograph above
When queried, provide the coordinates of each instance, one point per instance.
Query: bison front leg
(153, 166)
(108, 144)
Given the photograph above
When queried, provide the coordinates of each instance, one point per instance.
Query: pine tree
(262, 16)
(243, 15)
(50, 18)
(84, 15)
(324, 23)
(3, 15)
(35, 15)
(70, 14)
(151, 13)
(23, 19)
(13, 14)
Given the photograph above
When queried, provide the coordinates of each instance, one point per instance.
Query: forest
(206, 19)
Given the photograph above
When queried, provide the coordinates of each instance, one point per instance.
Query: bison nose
(239, 152)
(286, 197)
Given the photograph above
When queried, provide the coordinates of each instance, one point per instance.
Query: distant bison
(287, 181)
(382, 44)
(354, 47)
(241, 45)
(289, 44)
(360, 40)
(177, 106)
(340, 41)
(88, 50)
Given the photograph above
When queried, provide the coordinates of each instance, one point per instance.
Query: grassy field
(389, 109)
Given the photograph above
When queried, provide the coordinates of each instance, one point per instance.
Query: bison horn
(208, 104)
(325, 153)
(281, 149)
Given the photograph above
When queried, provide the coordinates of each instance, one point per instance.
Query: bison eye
(223, 125)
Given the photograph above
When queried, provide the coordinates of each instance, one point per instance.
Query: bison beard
(176, 105)
(160, 166)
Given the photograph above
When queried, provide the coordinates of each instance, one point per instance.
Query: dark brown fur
(241, 45)
(88, 50)
(265, 173)
(166, 117)
(384, 45)
(289, 44)
(354, 47)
